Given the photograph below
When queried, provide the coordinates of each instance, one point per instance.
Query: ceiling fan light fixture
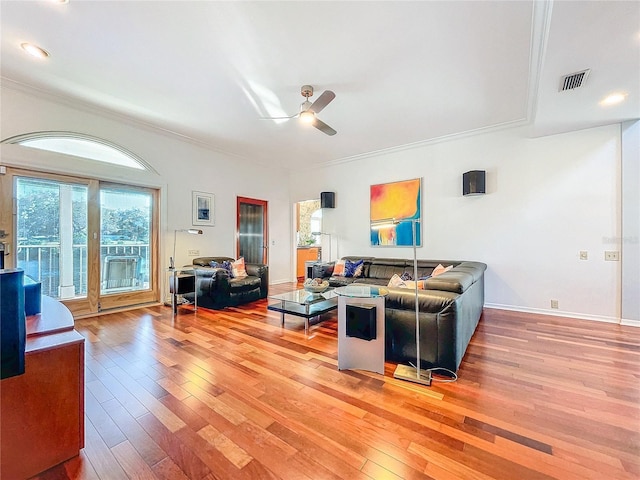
(307, 117)
(308, 110)
(34, 50)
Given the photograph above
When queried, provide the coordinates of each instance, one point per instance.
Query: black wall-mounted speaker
(328, 200)
(361, 321)
(473, 182)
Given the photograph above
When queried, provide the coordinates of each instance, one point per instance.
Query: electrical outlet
(612, 256)
(194, 253)
(554, 303)
(584, 255)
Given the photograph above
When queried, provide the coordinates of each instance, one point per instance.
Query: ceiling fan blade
(322, 101)
(323, 127)
(279, 118)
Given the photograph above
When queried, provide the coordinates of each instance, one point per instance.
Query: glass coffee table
(304, 304)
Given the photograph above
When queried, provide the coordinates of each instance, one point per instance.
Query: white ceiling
(404, 73)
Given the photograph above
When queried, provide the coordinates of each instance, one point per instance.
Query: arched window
(82, 146)
(316, 221)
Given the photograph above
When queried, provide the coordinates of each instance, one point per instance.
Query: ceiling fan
(308, 110)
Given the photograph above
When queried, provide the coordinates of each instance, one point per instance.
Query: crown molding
(87, 107)
(540, 26)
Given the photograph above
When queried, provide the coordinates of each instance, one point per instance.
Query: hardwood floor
(232, 395)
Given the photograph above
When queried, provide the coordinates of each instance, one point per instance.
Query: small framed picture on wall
(203, 208)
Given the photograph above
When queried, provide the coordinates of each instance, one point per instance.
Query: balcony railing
(42, 263)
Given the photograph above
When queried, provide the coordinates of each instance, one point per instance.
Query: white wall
(182, 167)
(547, 199)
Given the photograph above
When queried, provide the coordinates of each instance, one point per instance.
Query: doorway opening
(309, 243)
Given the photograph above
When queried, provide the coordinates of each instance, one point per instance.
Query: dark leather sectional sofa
(449, 308)
(216, 289)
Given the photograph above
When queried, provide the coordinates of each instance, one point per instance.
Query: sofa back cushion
(380, 270)
(387, 267)
(206, 261)
(226, 265)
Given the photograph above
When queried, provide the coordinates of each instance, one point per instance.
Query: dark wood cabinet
(43, 409)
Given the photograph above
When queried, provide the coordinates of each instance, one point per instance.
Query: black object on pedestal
(361, 321)
(12, 322)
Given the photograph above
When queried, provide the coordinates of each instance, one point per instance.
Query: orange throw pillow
(238, 268)
(440, 269)
(338, 269)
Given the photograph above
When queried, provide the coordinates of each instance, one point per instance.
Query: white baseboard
(279, 281)
(630, 323)
(556, 313)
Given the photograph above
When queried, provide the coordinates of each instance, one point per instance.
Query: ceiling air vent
(573, 80)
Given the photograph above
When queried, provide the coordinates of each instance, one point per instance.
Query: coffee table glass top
(304, 304)
(302, 297)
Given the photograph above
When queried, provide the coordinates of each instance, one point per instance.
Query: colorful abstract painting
(395, 209)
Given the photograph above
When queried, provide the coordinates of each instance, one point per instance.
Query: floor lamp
(315, 234)
(406, 372)
(174, 284)
(192, 231)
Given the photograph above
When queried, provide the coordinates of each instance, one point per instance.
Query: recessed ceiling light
(613, 99)
(34, 50)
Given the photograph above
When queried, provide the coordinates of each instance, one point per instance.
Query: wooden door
(252, 241)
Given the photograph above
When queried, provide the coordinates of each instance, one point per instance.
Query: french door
(251, 230)
(91, 244)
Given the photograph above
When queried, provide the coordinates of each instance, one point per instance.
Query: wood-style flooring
(232, 395)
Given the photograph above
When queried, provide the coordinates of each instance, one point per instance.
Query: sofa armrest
(451, 281)
(261, 271)
(213, 282)
(209, 272)
(212, 287)
(256, 269)
(323, 270)
(429, 301)
(458, 279)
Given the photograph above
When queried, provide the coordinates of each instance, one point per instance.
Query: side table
(182, 281)
(361, 352)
